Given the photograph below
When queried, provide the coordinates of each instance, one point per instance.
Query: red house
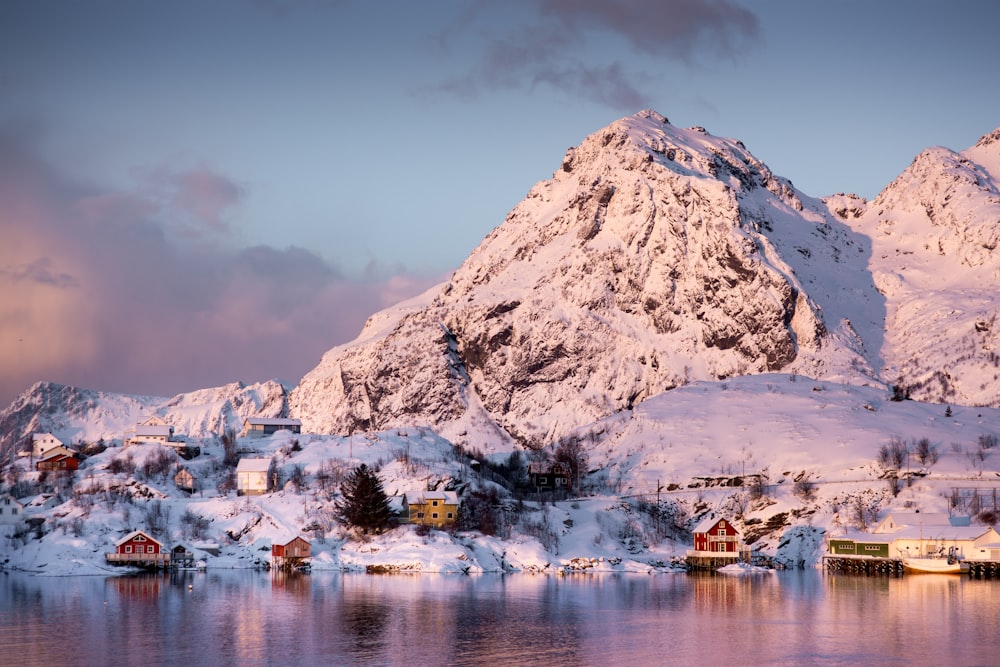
(718, 536)
(297, 548)
(138, 548)
(289, 556)
(58, 461)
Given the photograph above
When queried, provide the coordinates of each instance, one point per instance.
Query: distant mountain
(83, 415)
(934, 233)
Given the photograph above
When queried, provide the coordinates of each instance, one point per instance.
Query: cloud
(106, 290)
(194, 201)
(571, 44)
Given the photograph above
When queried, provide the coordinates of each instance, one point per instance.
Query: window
(151, 549)
(434, 515)
(128, 548)
(420, 515)
(872, 547)
(140, 538)
(450, 515)
(434, 503)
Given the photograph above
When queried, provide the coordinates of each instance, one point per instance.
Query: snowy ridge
(934, 237)
(82, 415)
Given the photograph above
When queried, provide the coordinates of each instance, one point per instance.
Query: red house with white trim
(139, 548)
(717, 536)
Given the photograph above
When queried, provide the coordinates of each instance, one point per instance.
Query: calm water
(245, 618)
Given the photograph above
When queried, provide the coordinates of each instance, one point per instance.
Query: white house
(11, 511)
(253, 476)
(153, 429)
(41, 443)
(899, 520)
(963, 541)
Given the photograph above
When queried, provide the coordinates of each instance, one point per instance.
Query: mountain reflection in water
(222, 618)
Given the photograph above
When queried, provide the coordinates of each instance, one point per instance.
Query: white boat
(935, 565)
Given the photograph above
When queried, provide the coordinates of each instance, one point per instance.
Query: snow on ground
(692, 452)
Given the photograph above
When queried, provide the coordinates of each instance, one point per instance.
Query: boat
(936, 564)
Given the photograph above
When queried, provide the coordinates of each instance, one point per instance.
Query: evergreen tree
(363, 503)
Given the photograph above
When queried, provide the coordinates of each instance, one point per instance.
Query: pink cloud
(97, 289)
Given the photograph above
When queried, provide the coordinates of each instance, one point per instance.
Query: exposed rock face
(640, 265)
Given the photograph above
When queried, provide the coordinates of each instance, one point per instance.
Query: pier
(867, 565)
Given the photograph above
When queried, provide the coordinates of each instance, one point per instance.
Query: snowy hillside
(712, 339)
(788, 459)
(934, 233)
(77, 415)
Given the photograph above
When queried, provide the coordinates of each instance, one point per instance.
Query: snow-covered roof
(272, 421)
(449, 497)
(133, 534)
(253, 465)
(899, 520)
(708, 524)
(153, 430)
(942, 533)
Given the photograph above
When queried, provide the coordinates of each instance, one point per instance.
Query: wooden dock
(984, 569)
(867, 565)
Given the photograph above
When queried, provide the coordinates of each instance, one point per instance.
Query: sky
(195, 193)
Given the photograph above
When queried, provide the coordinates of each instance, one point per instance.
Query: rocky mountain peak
(643, 263)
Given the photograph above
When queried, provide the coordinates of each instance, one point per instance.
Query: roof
(40, 436)
(153, 430)
(941, 533)
(449, 497)
(898, 520)
(253, 465)
(708, 524)
(133, 534)
(272, 421)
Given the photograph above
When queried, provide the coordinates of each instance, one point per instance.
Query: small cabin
(298, 547)
(185, 481)
(253, 476)
(261, 426)
(549, 476)
(139, 548)
(437, 509)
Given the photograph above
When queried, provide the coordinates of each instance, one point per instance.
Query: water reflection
(247, 618)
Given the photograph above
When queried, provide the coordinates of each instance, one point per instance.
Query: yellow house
(438, 509)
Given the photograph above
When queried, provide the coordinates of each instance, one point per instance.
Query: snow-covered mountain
(654, 256)
(84, 415)
(934, 233)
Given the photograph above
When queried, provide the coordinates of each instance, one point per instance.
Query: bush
(925, 451)
(892, 455)
(805, 488)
